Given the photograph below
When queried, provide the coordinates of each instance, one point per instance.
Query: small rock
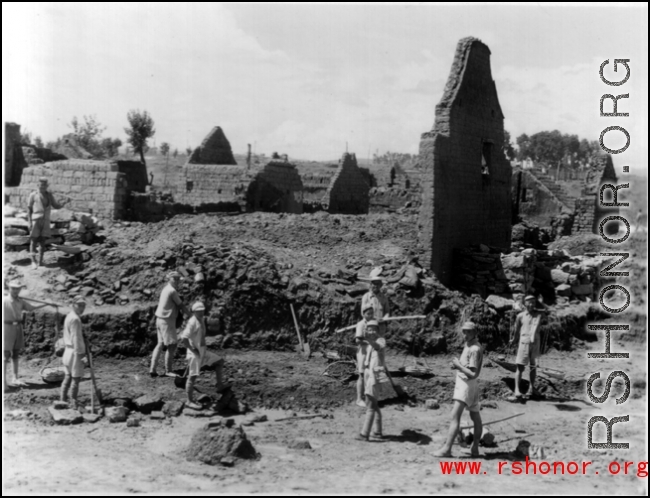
(489, 404)
(133, 422)
(228, 422)
(60, 405)
(300, 444)
(227, 461)
(157, 416)
(487, 438)
(18, 415)
(199, 413)
(91, 418)
(117, 414)
(173, 408)
(147, 404)
(432, 404)
(66, 417)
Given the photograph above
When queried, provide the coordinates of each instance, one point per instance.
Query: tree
(164, 148)
(175, 153)
(89, 134)
(26, 137)
(38, 142)
(111, 146)
(508, 149)
(142, 128)
(188, 151)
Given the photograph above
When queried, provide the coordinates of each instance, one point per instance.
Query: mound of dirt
(214, 442)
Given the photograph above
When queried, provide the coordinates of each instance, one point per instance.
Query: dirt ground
(149, 459)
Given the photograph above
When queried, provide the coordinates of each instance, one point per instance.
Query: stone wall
(315, 182)
(212, 187)
(555, 275)
(13, 155)
(277, 188)
(585, 215)
(466, 179)
(536, 202)
(348, 190)
(97, 187)
(215, 149)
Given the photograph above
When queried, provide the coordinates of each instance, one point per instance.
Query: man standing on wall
(166, 314)
(39, 207)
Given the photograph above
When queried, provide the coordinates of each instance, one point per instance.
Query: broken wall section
(466, 181)
(97, 187)
(276, 188)
(14, 160)
(212, 187)
(215, 149)
(348, 192)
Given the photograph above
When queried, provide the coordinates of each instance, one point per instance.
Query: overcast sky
(306, 79)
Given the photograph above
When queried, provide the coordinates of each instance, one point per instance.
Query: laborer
(166, 314)
(527, 331)
(75, 351)
(359, 337)
(373, 363)
(14, 339)
(193, 338)
(39, 208)
(466, 391)
(379, 302)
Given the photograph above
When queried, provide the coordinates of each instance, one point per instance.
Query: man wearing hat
(75, 350)
(12, 316)
(166, 314)
(39, 207)
(360, 338)
(378, 301)
(527, 328)
(193, 338)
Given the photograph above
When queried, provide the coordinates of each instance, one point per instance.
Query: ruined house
(341, 189)
(466, 176)
(69, 147)
(215, 149)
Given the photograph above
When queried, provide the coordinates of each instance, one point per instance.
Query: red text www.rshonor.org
(529, 467)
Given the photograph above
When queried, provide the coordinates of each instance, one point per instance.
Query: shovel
(303, 347)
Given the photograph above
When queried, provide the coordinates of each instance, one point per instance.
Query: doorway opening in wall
(486, 157)
(523, 194)
(189, 185)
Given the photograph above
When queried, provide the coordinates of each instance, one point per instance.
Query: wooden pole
(295, 322)
(390, 319)
(494, 421)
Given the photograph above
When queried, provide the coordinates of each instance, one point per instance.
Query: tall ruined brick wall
(207, 186)
(93, 186)
(536, 202)
(215, 149)
(466, 182)
(585, 214)
(277, 187)
(13, 155)
(348, 192)
(315, 182)
(136, 175)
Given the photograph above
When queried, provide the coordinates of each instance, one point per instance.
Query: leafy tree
(141, 129)
(89, 134)
(164, 148)
(38, 142)
(111, 146)
(26, 137)
(508, 149)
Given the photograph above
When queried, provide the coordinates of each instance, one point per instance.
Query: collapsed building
(466, 177)
(344, 190)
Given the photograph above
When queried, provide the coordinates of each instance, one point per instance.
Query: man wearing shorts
(75, 350)
(14, 340)
(527, 328)
(466, 391)
(39, 207)
(193, 338)
(166, 314)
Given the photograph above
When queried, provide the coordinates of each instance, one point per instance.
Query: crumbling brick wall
(348, 192)
(212, 187)
(277, 188)
(97, 187)
(536, 202)
(69, 147)
(215, 149)
(466, 180)
(315, 182)
(14, 161)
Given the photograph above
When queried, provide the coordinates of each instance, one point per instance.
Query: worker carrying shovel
(193, 338)
(527, 329)
(75, 351)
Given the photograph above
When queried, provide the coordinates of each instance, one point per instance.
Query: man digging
(166, 314)
(193, 338)
(75, 350)
(39, 208)
(14, 339)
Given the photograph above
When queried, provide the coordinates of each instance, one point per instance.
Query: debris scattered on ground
(212, 443)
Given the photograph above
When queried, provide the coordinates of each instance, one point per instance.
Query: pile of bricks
(96, 187)
(553, 274)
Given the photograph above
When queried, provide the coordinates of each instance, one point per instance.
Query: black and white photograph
(325, 248)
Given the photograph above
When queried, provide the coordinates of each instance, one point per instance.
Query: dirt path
(149, 459)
